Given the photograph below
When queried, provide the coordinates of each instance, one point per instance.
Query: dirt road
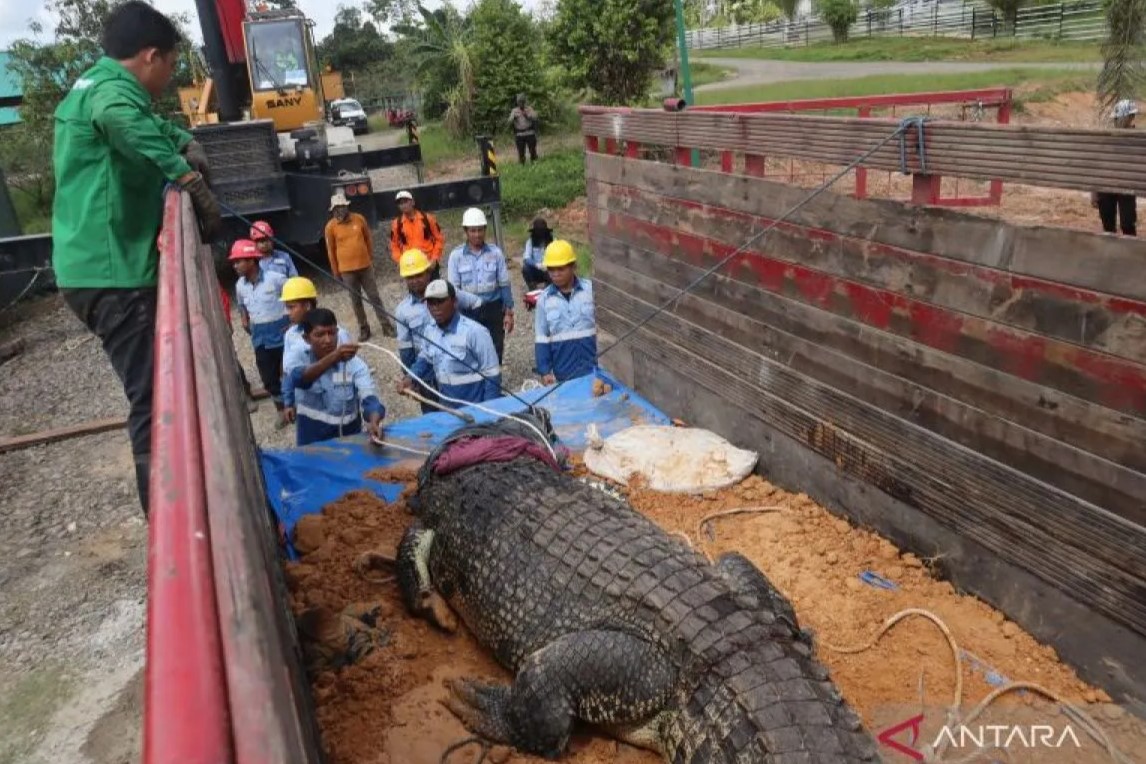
(751, 71)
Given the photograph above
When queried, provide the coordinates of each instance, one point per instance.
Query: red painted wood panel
(1104, 379)
(946, 282)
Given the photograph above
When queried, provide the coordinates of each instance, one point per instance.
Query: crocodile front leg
(606, 678)
(414, 583)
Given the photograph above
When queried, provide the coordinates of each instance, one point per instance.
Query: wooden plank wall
(990, 377)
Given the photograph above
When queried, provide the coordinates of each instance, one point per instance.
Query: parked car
(346, 112)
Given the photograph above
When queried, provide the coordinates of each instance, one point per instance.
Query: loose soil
(386, 708)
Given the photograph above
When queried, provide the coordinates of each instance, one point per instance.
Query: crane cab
(284, 75)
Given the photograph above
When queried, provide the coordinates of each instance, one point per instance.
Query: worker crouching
(413, 316)
(457, 351)
(565, 321)
(333, 391)
(263, 316)
(300, 297)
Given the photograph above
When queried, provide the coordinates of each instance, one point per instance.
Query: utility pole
(686, 73)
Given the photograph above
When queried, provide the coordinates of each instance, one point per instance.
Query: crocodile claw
(479, 707)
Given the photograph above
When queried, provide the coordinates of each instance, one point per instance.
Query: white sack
(671, 459)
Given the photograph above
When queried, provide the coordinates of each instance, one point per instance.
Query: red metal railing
(926, 189)
(186, 712)
(224, 683)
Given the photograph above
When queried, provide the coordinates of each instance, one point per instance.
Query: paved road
(753, 71)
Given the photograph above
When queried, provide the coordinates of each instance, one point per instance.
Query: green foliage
(551, 183)
(354, 44)
(1009, 9)
(830, 87)
(441, 48)
(748, 12)
(505, 46)
(611, 47)
(839, 15)
(926, 49)
(392, 11)
(1123, 52)
(881, 5)
(47, 71)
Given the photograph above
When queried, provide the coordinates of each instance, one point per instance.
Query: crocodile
(605, 619)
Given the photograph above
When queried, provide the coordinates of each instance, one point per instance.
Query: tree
(1009, 9)
(47, 71)
(506, 63)
(789, 8)
(441, 46)
(392, 11)
(839, 15)
(354, 44)
(612, 46)
(1123, 53)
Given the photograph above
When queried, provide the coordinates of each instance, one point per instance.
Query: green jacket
(112, 157)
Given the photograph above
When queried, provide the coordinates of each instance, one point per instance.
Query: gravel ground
(73, 579)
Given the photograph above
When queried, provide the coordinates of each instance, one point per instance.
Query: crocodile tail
(769, 703)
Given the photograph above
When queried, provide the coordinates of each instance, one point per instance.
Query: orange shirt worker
(415, 229)
(350, 248)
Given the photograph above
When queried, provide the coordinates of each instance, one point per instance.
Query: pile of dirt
(386, 708)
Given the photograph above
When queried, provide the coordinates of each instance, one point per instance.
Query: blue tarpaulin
(302, 481)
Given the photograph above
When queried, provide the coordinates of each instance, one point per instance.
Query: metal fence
(1083, 20)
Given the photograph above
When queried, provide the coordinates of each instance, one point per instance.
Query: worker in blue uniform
(333, 392)
(413, 317)
(456, 350)
(565, 321)
(263, 317)
(479, 267)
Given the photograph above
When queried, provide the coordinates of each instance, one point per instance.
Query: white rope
(478, 406)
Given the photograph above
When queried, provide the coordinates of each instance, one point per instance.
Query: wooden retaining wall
(967, 387)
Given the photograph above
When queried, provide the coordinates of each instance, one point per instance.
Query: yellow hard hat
(559, 254)
(413, 262)
(298, 288)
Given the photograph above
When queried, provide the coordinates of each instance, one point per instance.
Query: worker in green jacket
(113, 156)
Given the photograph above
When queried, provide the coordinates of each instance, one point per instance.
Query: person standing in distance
(523, 119)
(1119, 208)
(111, 159)
(480, 269)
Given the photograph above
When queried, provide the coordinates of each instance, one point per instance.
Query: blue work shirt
(279, 262)
(455, 355)
(534, 256)
(296, 351)
(565, 331)
(413, 317)
(260, 302)
(484, 273)
(334, 404)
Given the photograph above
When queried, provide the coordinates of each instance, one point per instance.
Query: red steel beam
(186, 715)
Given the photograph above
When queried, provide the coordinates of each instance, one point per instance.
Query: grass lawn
(704, 74)
(924, 49)
(1063, 79)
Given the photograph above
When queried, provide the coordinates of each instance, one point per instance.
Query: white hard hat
(473, 218)
(404, 195)
(338, 200)
(439, 290)
(1125, 108)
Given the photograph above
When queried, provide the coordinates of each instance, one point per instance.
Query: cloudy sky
(15, 14)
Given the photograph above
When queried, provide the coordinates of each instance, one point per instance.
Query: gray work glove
(206, 206)
(196, 156)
